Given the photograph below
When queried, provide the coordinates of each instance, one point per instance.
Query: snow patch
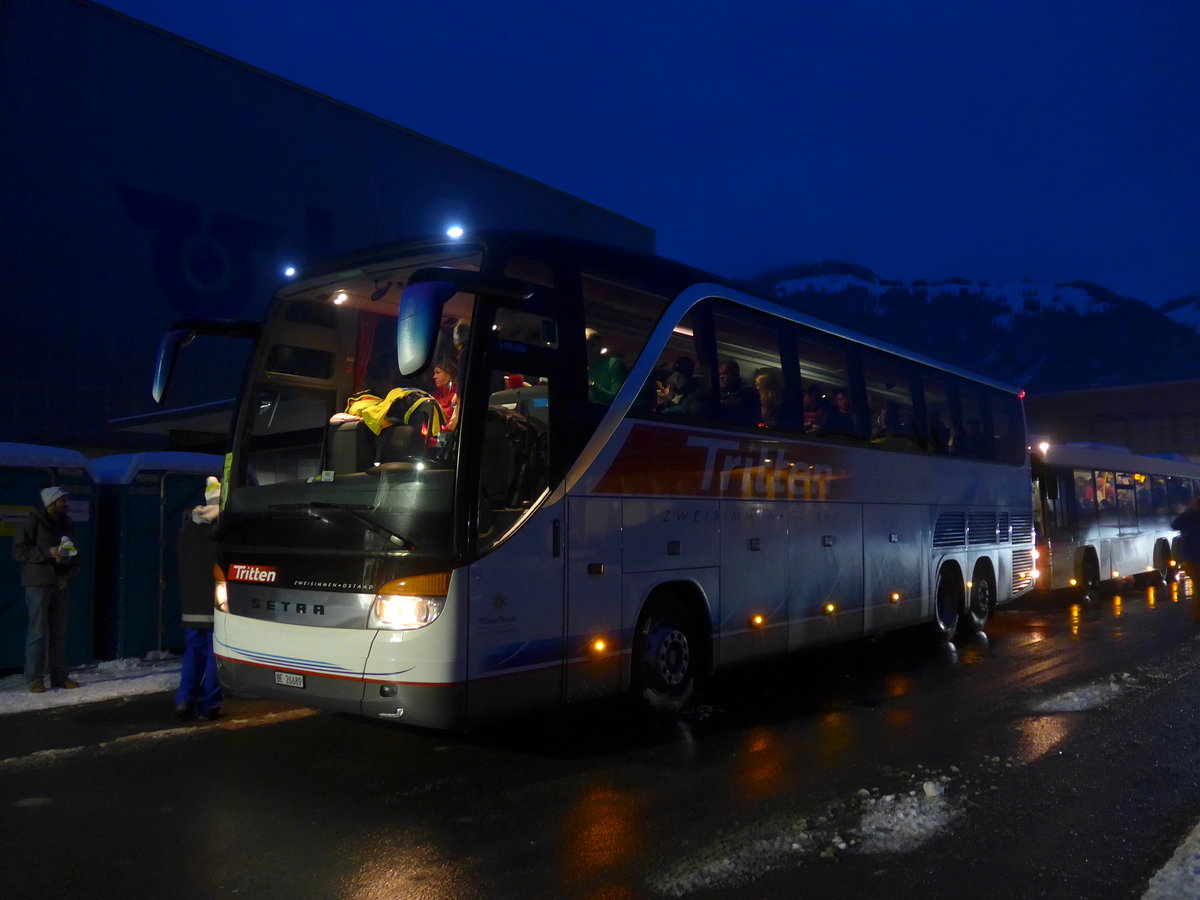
(902, 824)
(1089, 697)
(866, 822)
(102, 681)
(1178, 877)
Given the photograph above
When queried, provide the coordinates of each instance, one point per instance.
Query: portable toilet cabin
(24, 470)
(145, 497)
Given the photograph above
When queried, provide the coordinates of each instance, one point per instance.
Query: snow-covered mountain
(1042, 336)
(1185, 311)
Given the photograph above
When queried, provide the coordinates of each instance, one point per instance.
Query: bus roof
(656, 273)
(1109, 457)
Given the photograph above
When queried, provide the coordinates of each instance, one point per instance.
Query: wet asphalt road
(1062, 756)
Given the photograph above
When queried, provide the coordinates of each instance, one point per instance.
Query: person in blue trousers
(199, 693)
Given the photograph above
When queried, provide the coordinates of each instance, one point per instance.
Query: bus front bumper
(424, 705)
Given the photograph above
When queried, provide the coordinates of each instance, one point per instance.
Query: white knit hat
(51, 494)
(212, 490)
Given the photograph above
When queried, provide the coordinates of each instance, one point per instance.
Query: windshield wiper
(354, 510)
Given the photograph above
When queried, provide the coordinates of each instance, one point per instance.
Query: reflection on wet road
(824, 769)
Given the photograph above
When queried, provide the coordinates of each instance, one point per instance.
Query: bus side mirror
(168, 351)
(183, 333)
(420, 312)
(417, 323)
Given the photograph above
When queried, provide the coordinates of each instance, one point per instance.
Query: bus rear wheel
(980, 604)
(667, 658)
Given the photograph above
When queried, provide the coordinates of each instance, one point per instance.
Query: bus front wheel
(948, 602)
(667, 657)
(1089, 582)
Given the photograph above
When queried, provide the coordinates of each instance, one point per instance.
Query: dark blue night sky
(993, 140)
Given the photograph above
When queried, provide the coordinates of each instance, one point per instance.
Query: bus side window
(825, 384)
(515, 468)
(1007, 427)
(890, 399)
(974, 438)
(618, 319)
(749, 371)
(1085, 499)
(674, 388)
(1106, 498)
(939, 422)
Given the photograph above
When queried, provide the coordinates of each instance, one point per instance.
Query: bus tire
(1162, 574)
(667, 658)
(947, 602)
(1089, 577)
(981, 602)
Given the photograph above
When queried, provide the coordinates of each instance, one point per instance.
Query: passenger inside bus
(939, 432)
(606, 372)
(816, 409)
(770, 398)
(968, 441)
(684, 395)
(740, 404)
(841, 418)
(445, 392)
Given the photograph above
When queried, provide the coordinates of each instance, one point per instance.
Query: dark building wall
(1146, 418)
(146, 178)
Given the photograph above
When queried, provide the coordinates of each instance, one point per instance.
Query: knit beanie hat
(51, 494)
(212, 490)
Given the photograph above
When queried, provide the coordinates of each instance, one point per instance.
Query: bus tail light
(220, 591)
(409, 603)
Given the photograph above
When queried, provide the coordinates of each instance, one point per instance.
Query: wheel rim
(672, 656)
(981, 599)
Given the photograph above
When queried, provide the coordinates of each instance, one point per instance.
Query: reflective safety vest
(408, 406)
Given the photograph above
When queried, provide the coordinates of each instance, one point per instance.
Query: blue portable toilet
(145, 497)
(24, 470)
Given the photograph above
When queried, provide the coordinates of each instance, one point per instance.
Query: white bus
(604, 508)
(1104, 514)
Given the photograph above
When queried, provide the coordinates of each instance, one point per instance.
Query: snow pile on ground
(1092, 696)
(102, 681)
(869, 822)
(1181, 874)
(895, 824)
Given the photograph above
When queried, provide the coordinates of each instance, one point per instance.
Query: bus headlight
(401, 612)
(220, 591)
(408, 603)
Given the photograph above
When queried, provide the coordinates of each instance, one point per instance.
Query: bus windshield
(334, 435)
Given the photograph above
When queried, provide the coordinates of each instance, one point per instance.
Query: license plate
(289, 679)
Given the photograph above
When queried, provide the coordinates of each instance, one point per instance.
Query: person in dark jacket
(199, 692)
(45, 548)
(1187, 549)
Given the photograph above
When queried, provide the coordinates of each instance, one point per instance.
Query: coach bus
(1104, 515)
(471, 478)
